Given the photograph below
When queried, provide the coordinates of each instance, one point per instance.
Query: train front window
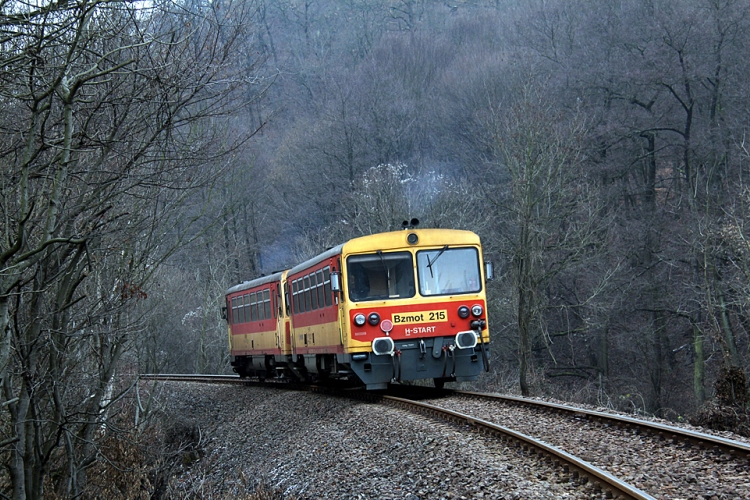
(448, 271)
(380, 276)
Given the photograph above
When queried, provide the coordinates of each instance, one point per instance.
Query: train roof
(397, 239)
(331, 252)
(380, 241)
(256, 282)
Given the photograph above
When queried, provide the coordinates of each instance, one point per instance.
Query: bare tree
(546, 205)
(113, 109)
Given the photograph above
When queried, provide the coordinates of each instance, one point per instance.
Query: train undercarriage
(437, 358)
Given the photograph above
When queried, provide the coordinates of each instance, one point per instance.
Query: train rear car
(258, 326)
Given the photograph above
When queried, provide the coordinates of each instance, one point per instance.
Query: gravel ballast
(305, 445)
(664, 469)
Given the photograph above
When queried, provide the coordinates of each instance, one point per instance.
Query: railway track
(662, 460)
(661, 431)
(702, 454)
(572, 468)
(577, 469)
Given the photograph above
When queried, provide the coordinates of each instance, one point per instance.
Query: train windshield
(380, 276)
(448, 271)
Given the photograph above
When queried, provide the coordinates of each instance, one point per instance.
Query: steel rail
(181, 377)
(701, 439)
(224, 379)
(604, 479)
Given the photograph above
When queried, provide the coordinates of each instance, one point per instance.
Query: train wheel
(439, 383)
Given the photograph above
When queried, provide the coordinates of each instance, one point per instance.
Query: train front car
(414, 307)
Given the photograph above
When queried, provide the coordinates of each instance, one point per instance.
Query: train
(393, 307)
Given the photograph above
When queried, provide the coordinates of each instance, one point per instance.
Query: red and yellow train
(395, 306)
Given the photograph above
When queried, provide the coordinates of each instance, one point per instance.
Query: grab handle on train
(485, 358)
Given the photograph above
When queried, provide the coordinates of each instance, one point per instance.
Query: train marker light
(383, 345)
(359, 319)
(477, 310)
(373, 318)
(466, 340)
(386, 326)
(463, 312)
(412, 238)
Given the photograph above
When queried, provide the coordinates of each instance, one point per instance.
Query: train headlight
(477, 310)
(466, 340)
(359, 319)
(463, 312)
(383, 345)
(373, 318)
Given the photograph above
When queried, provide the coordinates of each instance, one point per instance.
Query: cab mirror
(489, 271)
(336, 281)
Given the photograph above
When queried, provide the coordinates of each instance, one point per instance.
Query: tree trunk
(699, 366)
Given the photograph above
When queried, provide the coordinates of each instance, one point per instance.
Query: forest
(154, 154)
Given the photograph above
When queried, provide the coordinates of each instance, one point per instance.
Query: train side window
(306, 281)
(313, 292)
(253, 307)
(327, 285)
(267, 302)
(234, 310)
(261, 317)
(240, 310)
(246, 309)
(295, 296)
(299, 302)
(321, 298)
(319, 289)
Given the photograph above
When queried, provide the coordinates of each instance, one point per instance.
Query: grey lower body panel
(432, 358)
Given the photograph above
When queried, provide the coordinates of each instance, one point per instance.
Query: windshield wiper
(431, 262)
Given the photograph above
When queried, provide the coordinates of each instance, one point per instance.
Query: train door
(276, 308)
(338, 301)
(287, 320)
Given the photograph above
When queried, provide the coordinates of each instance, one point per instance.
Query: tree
(109, 111)
(545, 204)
